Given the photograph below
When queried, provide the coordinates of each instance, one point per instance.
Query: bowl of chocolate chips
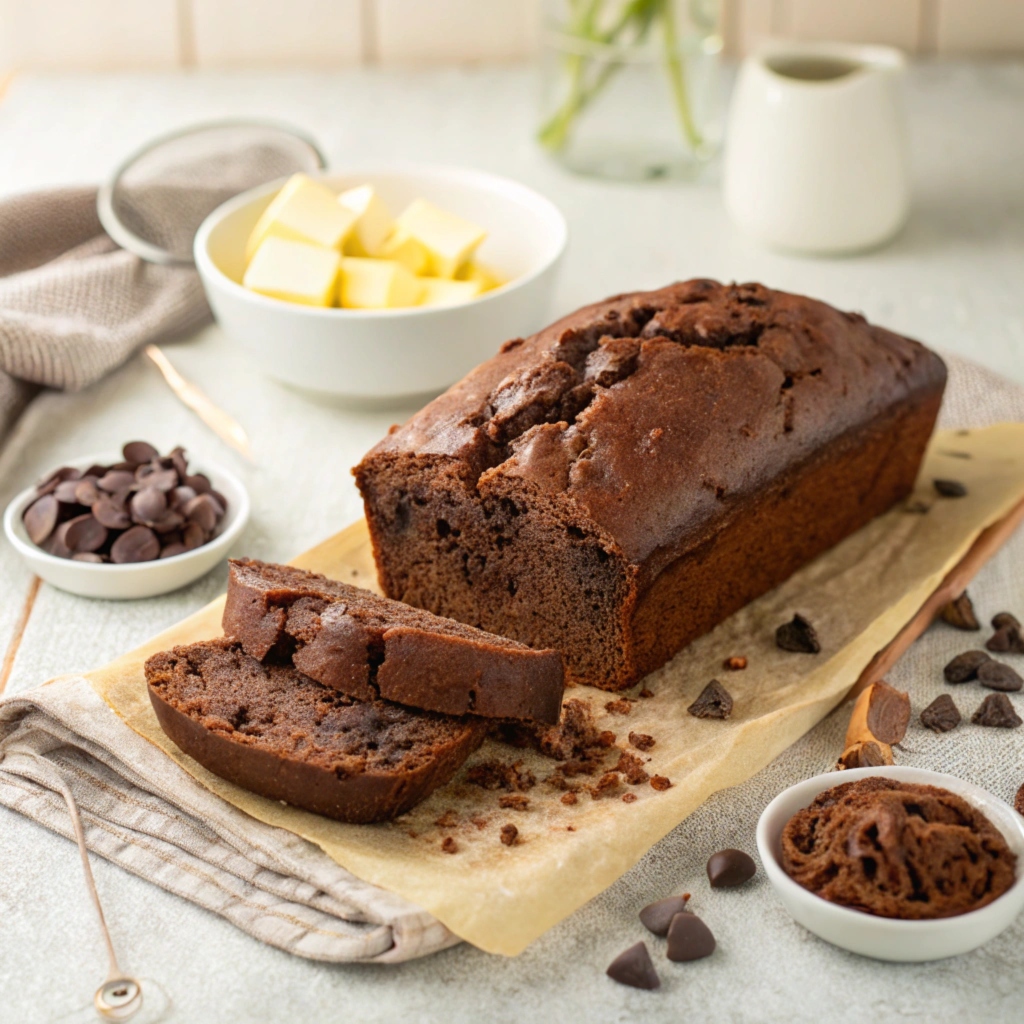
(128, 526)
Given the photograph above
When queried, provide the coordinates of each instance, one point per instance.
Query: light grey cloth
(143, 812)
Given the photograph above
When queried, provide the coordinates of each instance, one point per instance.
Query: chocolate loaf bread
(620, 482)
(275, 732)
(370, 647)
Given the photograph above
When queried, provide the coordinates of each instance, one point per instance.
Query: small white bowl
(138, 579)
(884, 938)
(390, 354)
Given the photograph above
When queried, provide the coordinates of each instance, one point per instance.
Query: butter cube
(439, 291)
(294, 272)
(448, 239)
(475, 271)
(303, 211)
(373, 222)
(410, 253)
(377, 284)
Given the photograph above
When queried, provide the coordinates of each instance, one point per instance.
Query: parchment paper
(500, 898)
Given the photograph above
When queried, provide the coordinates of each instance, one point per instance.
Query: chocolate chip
(964, 667)
(168, 522)
(65, 492)
(161, 479)
(139, 544)
(179, 462)
(959, 613)
(116, 480)
(997, 676)
(689, 938)
(200, 483)
(148, 505)
(87, 556)
(714, 701)
(996, 711)
(1007, 640)
(220, 499)
(950, 488)
(633, 967)
(660, 783)
(192, 536)
(941, 715)
(139, 451)
(729, 868)
(170, 550)
(86, 491)
(798, 635)
(1004, 620)
(1018, 801)
(84, 534)
(657, 916)
(49, 484)
(180, 496)
(509, 835)
(735, 664)
(40, 518)
(110, 511)
(202, 509)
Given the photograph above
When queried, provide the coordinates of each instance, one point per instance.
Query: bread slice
(274, 731)
(370, 647)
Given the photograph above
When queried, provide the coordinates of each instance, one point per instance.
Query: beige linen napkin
(72, 304)
(143, 812)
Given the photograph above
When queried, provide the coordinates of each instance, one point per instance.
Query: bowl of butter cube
(380, 283)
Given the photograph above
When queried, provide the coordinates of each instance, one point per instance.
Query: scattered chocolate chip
(950, 488)
(1018, 801)
(449, 845)
(798, 635)
(1006, 640)
(959, 613)
(997, 676)
(509, 835)
(735, 664)
(714, 701)
(138, 544)
(660, 783)
(689, 938)
(84, 533)
(941, 715)
(139, 451)
(641, 740)
(729, 868)
(1004, 620)
(964, 667)
(996, 711)
(40, 518)
(657, 916)
(633, 967)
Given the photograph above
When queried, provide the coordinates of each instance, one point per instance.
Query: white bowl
(881, 937)
(376, 354)
(138, 579)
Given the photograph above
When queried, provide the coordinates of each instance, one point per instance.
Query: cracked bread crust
(371, 647)
(630, 436)
(275, 732)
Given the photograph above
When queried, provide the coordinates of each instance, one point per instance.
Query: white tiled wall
(324, 33)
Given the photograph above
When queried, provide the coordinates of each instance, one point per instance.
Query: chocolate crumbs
(632, 768)
(509, 835)
(629, 798)
(619, 707)
(449, 845)
(514, 801)
(641, 740)
(501, 775)
(660, 783)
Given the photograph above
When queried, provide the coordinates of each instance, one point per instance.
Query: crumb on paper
(660, 783)
(447, 820)
(632, 767)
(509, 834)
(501, 775)
(606, 739)
(514, 801)
(606, 785)
(736, 663)
(569, 798)
(622, 706)
(628, 798)
(641, 740)
(645, 693)
(449, 845)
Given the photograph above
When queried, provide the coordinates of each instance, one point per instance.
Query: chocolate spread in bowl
(897, 849)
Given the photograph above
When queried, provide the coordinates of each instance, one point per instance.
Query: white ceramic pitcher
(815, 157)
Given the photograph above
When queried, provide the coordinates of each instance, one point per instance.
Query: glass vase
(631, 89)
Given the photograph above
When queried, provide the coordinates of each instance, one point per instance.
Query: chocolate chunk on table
(959, 613)
(729, 868)
(941, 715)
(798, 635)
(997, 712)
(950, 488)
(997, 676)
(964, 667)
(689, 938)
(714, 701)
(657, 916)
(633, 967)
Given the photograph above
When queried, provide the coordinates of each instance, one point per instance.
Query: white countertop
(953, 278)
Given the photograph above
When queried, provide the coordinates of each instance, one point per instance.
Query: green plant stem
(676, 77)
